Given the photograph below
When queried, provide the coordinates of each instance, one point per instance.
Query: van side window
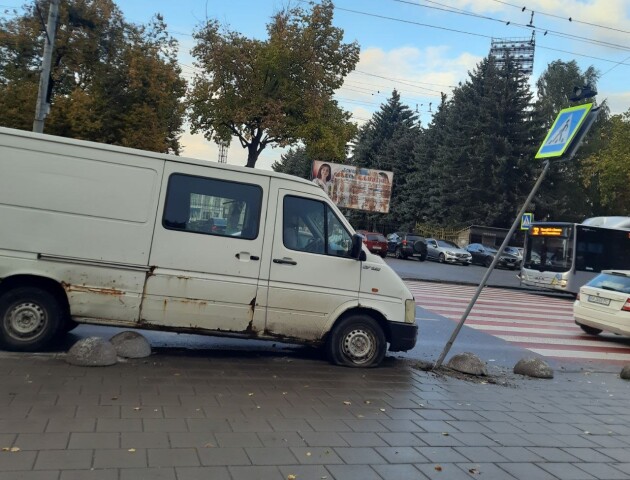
(311, 226)
(213, 207)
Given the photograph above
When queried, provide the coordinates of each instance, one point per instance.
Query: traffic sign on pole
(526, 221)
(563, 131)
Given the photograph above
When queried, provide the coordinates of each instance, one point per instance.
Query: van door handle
(284, 261)
(247, 256)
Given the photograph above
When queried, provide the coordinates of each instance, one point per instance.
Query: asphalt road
(444, 272)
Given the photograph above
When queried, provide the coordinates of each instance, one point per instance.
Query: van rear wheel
(30, 317)
(357, 341)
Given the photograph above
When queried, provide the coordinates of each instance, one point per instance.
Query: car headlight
(410, 311)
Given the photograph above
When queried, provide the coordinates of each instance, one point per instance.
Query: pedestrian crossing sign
(563, 131)
(526, 221)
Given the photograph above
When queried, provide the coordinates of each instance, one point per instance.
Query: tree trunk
(252, 151)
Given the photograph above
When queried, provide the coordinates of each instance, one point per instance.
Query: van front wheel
(29, 319)
(357, 341)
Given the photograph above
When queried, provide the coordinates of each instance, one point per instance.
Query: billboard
(354, 187)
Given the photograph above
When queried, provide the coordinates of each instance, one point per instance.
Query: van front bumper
(403, 336)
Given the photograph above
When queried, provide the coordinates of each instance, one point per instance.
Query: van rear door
(207, 250)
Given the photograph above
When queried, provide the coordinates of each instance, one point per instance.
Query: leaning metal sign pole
(563, 140)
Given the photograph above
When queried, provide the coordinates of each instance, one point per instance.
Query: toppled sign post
(561, 144)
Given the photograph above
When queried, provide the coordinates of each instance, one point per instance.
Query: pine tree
(386, 142)
(483, 165)
(294, 162)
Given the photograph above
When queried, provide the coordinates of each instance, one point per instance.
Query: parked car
(517, 252)
(446, 251)
(483, 255)
(603, 304)
(405, 245)
(375, 242)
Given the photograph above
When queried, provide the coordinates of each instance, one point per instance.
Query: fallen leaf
(208, 445)
(438, 468)
(367, 402)
(284, 393)
(382, 409)
(445, 434)
(131, 450)
(308, 454)
(250, 394)
(347, 403)
(291, 477)
(5, 449)
(360, 416)
(137, 408)
(474, 471)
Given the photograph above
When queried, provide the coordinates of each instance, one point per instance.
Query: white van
(98, 234)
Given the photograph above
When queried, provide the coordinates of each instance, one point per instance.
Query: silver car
(447, 252)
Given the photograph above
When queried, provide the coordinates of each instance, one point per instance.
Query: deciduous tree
(111, 81)
(277, 91)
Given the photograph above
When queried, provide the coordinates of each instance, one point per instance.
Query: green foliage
(295, 162)
(277, 91)
(111, 81)
(387, 142)
(481, 167)
(563, 195)
(608, 169)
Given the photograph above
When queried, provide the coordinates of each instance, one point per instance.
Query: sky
(418, 47)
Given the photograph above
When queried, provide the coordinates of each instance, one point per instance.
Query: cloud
(419, 75)
(618, 102)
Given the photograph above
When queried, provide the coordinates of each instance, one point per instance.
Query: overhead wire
(570, 19)
(471, 33)
(529, 27)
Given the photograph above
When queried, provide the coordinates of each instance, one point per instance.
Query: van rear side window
(213, 207)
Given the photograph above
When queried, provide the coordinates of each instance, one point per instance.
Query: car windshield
(614, 282)
(413, 238)
(490, 249)
(446, 243)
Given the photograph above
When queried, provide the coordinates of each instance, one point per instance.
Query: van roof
(145, 153)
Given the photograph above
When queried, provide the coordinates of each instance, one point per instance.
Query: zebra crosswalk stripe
(539, 323)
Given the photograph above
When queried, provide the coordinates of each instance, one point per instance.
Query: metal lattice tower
(521, 50)
(223, 148)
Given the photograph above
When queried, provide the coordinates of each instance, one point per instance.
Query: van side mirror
(357, 248)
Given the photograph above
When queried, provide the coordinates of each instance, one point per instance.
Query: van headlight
(410, 311)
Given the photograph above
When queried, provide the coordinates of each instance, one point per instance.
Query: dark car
(405, 245)
(375, 242)
(482, 255)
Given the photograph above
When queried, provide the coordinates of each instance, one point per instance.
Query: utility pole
(42, 107)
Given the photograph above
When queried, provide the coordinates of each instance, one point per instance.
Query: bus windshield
(550, 253)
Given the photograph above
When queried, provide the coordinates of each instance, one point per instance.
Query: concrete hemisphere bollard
(92, 352)
(625, 372)
(533, 367)
(131, 344)
(468, 363)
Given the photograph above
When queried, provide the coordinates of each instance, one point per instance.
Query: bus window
(552, 254)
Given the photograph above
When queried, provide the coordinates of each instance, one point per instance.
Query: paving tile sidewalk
(245, 416)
